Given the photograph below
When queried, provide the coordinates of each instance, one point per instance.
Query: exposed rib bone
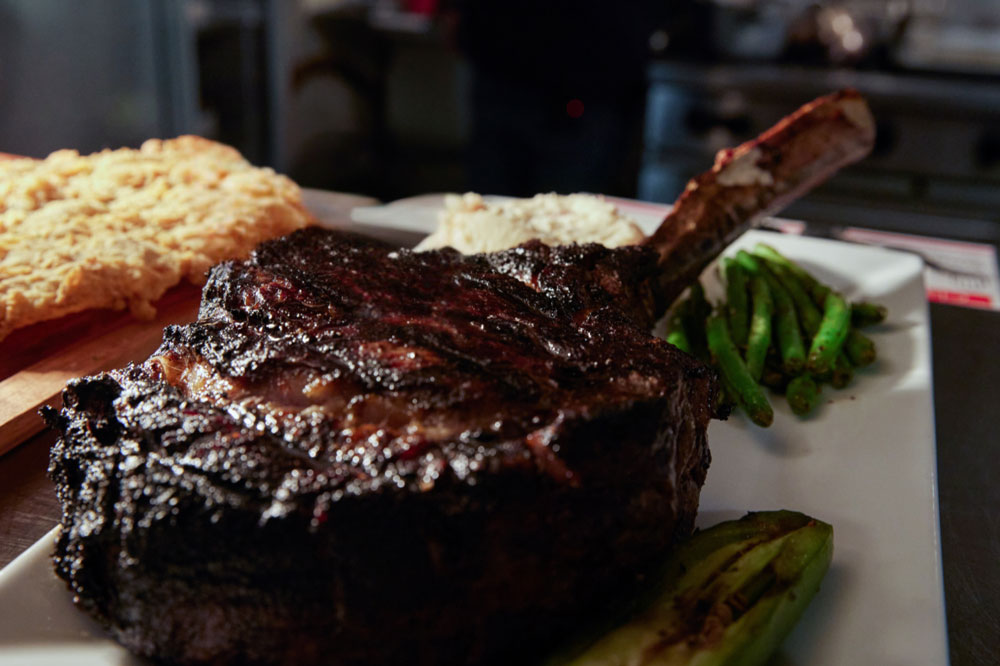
(759, 178)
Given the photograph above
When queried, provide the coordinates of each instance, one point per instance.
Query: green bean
(765, 251)
(725, 400)
(867, 314)
(748, 261)
(862, 313)
(819, 292)
(816, 289)
(860, 348)
(830, 336)
(747, 392)
(700, 308)
(696, 312)
(676, 333)
(802, 394)
(799, 305)
(843, 371)
(809, 314)
(686, 325)
(736, 300)
(759, 337)
(786, 321)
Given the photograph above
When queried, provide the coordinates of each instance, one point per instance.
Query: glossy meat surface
(412, 359)
(466, 448)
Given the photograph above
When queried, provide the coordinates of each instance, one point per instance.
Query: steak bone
(759, 178)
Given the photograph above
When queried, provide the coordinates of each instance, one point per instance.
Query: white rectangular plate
(864, 462)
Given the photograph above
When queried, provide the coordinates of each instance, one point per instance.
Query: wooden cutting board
(38, 360)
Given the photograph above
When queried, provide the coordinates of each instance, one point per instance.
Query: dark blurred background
(398, 97)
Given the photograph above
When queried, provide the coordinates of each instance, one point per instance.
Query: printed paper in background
(955, 273)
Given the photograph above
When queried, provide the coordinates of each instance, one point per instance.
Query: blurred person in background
(557, 93)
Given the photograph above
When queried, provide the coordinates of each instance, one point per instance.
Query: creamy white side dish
(471, 224)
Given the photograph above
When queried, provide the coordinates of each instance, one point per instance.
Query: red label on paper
(959, 298)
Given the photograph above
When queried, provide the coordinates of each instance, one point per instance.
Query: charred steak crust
(360, 455)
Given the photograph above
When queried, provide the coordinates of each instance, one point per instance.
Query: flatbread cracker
(117, 228)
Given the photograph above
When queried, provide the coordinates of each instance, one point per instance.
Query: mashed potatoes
(469, 224)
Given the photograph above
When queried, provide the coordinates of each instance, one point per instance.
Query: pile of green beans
(778, 327)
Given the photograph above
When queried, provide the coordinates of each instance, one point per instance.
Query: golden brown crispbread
(117, 228)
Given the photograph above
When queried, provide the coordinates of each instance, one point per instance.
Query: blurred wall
(76, 74)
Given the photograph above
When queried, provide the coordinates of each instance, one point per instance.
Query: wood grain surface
(38, 360)
(28, 504)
